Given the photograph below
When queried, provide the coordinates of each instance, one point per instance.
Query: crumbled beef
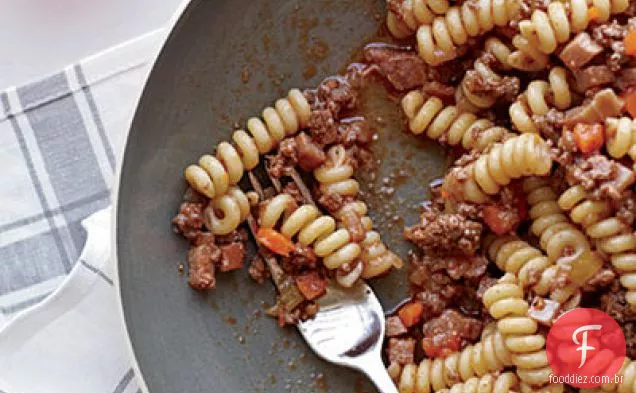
(403, 68)
(292, 189)
(285, 158)
(310, 154)
(357, 132)
(549, 124)
(360, 157)
(236, 236)
(593, 76)
(483, 81)
(301, 258)
(468, 329)
(626, 79)
(323, 127)
(189, 221)
(353, 224)
(395, 327)
(579, 51)
(201, 261)
(614, 303)
(440, 90)
(629, 331)
(470, 268)
(331, 201)
(604, 104)
(337, 93)
(232, 258)
(605, 177)
(445, 233)
(610, 36)
(257, 270)
(434, 288)
(401, 350)
(626, 211)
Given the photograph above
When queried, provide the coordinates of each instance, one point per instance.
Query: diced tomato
(441, 345)
(499, 221)
(629, 98)
(589, 137)
(275, 241)
(411, 313)
(593, 14)
(311, 285)
(630, 43)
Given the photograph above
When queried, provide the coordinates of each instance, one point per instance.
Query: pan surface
(224, 62)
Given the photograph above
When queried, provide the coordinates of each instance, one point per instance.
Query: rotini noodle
(411, 14)
(506, 304)
(234, 207)
(539, 97)
(489, 383)
(519, 156)
(449, 124)
(437, 41)
(611, 235)
(312, 228)
(213, 175)
(487, 356)
(544, 31)
(620, 137)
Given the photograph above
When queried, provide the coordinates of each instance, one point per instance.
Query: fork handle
(380, 377)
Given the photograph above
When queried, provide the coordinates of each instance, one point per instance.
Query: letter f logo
(583, 346)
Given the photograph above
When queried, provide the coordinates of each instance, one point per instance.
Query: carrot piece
(275, 241)
(589, 137)
(498, 221)
(630, 43)
(629, 97)
(411, 313)
(593, 14)
(441, 346)
(311, 285)
(445, 194)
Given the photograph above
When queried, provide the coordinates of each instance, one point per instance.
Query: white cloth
(60, 138)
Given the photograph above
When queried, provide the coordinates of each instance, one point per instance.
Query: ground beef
(323, 126)
(236, 236)
(310, 154)
(614, 303)
(626, 78)
(462, 267)
(610, 36)
(337, 92)
(189, 221)
(292, 189)
(302, 258)
(395, 327)
(353, 223)
(403, 68)
(286, 157)
(604, 177)
(505, 88)
(357, 132)
(440, 90)
(401, 351)
(452, 322)
(257, 270)
(201, 261)
(626, 211)
(445, 233)
(433, 286)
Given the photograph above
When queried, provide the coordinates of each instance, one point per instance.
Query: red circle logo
(585, 348)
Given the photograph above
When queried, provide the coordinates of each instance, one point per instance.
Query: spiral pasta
(620, 137)
(437, 41)
(213, 175)
(311, 228)
(449, 124)
(410, 14)
(487, 356)
(544, 31)
(506, 304)
(519, 156)
(538, 98)
(234, 207)
(335, 175)
(611, 235)
(475, 101)
(489, 383)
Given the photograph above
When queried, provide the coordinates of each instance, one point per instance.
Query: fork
(348, 331)
(349, 327)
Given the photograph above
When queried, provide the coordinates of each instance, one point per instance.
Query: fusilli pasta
(437, 41)
(489, 383)
(539, 97)
(312, 228)
(449, 124)
(519, 156)
(234, 207)
(214, 174)
(487, 356)
(611, 235)
(410, 14)
(620, 137)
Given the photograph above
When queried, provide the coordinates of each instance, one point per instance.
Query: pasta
(522, 155)
(487, 356)
(628, 385)
(610, 234)
(489, 383)
(234, 207)
(473, 101)
(449, 124)
(333, 245)
(336, 174)
(544, 31)
(213, 175)
(620, 136)
(413, 13)
(505, 303)
(538, 98)
(437, 41)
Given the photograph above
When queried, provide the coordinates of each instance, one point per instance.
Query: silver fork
(348, 331)
(349, 327)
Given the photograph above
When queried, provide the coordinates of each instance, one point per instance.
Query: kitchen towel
(60, 140)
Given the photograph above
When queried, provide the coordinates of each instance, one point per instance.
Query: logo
(585, 348)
